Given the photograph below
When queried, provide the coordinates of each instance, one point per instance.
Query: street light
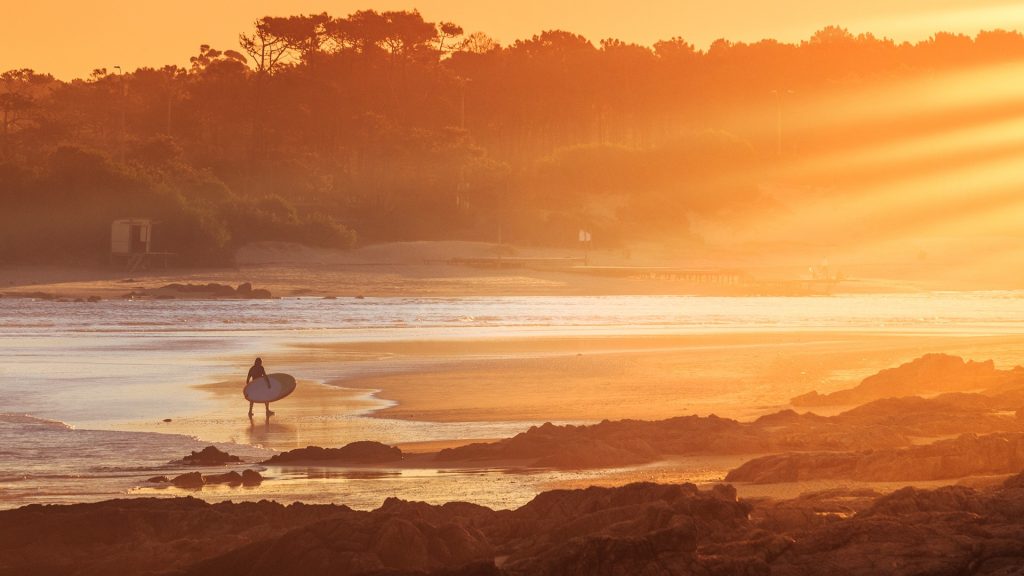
(120, 73)
(778, 119)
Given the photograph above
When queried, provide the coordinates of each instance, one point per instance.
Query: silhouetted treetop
(398, 127)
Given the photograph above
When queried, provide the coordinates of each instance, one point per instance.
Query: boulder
(190, 480)
(231, 478)
(251, 478)
(362, 452)
(209, 456)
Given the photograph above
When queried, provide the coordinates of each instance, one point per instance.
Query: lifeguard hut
(131, 244)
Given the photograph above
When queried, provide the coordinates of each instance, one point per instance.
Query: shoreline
(433, 388)
(458, 385)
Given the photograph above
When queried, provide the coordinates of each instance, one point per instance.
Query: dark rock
(35, 295)
(967, 455)
(634, 529)
(251, 478)
(211, 289)
(244, 288)
(209, 456)
(233, 478)
(260, 294)
(363, 452)
(188, 480)
(166, 419)
(158, 480)
(141, 535)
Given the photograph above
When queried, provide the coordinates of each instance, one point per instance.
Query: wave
(28, 419)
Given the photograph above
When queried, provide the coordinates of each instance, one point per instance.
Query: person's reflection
(271, 434)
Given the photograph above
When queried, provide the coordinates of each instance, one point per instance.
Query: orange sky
(69, 38)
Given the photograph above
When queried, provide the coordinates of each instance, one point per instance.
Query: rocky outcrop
(635, 529)
(928, 375)
(140, 536)
(879, 425)
(968, 455)
(951, 530)
(209, 456)
(362, 452)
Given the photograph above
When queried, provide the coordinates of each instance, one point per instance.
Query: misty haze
(373, 291)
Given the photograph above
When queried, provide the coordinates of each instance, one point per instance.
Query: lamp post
(120, 73)
(778, 120)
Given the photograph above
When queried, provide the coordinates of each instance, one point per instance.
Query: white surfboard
(280, 386)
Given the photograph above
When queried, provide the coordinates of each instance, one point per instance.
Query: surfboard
(281, 385)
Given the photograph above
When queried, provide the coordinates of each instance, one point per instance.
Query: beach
(430, 372)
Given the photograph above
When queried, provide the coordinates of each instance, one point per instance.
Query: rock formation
(883, 424)
(928, 375)
(967, 455)
(633, 529)
(209, 456)
(196, 480)
(362, 452)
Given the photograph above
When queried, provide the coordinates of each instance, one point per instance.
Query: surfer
(257, 371)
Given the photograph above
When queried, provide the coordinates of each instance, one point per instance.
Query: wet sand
(313, 415)
(738, 375)
(428, 395)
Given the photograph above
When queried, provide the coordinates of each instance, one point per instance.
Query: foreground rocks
(634, 529)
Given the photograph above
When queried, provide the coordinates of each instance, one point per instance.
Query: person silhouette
(257, 371)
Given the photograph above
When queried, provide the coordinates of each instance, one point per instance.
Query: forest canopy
(382, 126)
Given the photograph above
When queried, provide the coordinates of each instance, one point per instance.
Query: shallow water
(100, 367)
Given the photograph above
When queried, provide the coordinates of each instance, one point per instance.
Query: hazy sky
(69, 38)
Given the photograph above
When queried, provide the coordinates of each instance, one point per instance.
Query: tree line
(383, 126)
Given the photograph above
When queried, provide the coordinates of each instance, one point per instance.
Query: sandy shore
(740, 376)
(428, 395)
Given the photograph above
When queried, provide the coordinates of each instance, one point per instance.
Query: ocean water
(70, 373)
